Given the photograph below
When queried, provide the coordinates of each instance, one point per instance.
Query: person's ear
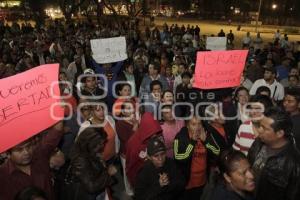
(227, 178)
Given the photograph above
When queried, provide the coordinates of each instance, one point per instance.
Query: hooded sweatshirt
(136, 152)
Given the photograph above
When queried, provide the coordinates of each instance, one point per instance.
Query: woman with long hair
(88, 177)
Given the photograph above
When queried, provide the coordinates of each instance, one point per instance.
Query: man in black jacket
(274, 158)
(159, 179)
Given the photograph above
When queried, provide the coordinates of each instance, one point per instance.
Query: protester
(28, 165)
(277, 90)
(88, 176)
(24, 47)
(275, 159)
(124, 93)
(248, 132)
(241, 99)
(178, 76)
(237, 179)
(218, 135)
(152, 102)
(291, 104)
(128, 75)
(191, 156)
(125, 128)
(90, 87)
(263, 90)
(136, 152)
(153, 74)
(246, 41)
(110, 72)
(170, 78)
(254, 70)
(159, 179)
(292, 72)
(170, 128)
(75, 69)
(257, 42)
(230, 39)
(99, 118)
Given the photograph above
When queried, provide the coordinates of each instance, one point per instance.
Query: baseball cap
(89, 71)
(155, 145)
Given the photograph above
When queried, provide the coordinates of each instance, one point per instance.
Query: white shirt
(277, 35)
(246, 40)
(277, 90)
(177, 81)
(245, 138)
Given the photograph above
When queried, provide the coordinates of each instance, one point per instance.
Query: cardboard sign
(219, 69)
(26, 101)
(109, 50)
(216, 43)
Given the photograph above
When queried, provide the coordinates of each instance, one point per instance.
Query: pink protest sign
(219, 69)
(27, 104)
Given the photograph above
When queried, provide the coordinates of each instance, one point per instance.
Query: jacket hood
(148, 127)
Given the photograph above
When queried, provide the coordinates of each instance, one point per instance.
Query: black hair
(127, 64)
(293, 92)
(184, 74)
(263, 89)
(271, 69)
(156, 65)
(282, 120)
(263, 99)
(30, 193)
(62, 72)
(86, 140)
(153, 83)
(166, 91)
(227, 160)
(120, 87)
(238, 90)
(166, 106)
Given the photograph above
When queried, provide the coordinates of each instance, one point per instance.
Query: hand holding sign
(109, 50)
(219, 69)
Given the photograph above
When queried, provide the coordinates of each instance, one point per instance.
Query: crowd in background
(138, 140)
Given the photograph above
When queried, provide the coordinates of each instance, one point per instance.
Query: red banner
(219, 69)
(27, 104)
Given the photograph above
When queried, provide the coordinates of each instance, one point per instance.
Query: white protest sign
(216, 43)
(109, 50)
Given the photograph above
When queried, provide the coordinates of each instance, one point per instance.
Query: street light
(258, 14)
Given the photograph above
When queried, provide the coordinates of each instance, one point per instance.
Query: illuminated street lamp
(274, 6)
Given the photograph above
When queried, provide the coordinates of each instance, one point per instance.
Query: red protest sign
(219, 69)
(27, 104)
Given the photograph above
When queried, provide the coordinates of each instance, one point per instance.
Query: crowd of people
(137, 123)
